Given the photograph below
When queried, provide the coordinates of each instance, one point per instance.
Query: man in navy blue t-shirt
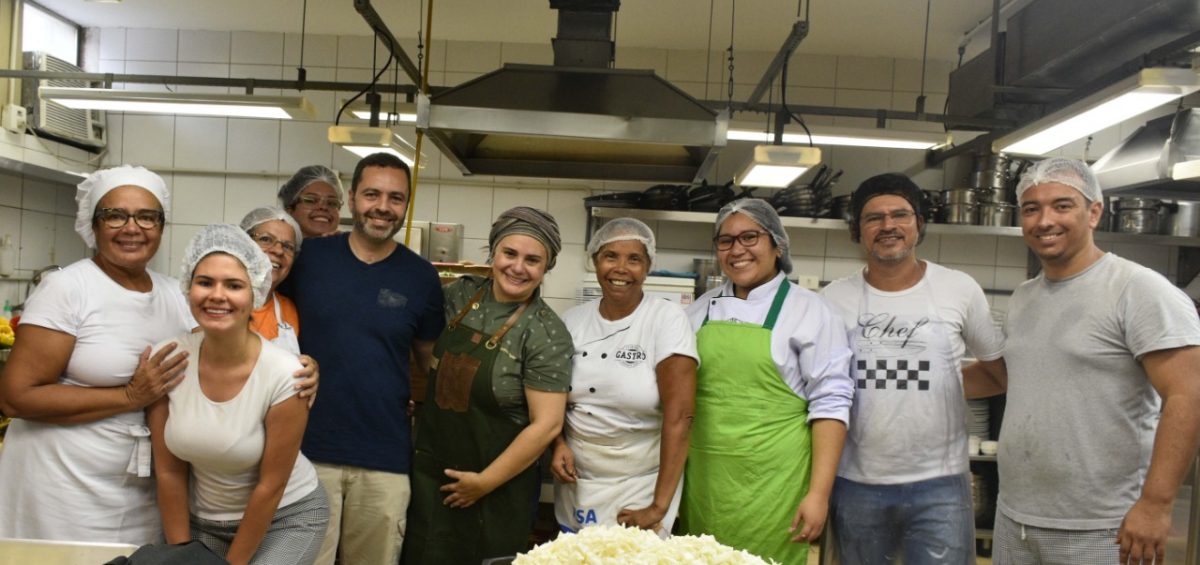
(365, 303)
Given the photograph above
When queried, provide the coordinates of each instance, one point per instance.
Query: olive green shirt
(536, 353)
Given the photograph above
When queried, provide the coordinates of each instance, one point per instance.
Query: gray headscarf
(531, 222)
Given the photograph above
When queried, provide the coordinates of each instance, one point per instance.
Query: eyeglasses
(746, 238)
(116, 218)
(267, 241)
(899, 217)
(314, 200)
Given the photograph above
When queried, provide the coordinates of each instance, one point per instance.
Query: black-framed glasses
(899, 217)
(312, 200)
(746, 238)
(267, 241)
(116, 218)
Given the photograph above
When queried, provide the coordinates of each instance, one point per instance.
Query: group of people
(757, 414)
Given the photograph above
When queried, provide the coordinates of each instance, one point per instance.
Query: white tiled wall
(39, 219)
(220, 168)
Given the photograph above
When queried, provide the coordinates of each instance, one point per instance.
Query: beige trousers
(367, 515)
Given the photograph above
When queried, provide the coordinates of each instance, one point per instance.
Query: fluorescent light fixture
(1129, 97)
(406, 112)
(890, 139)
(778, 166)
(363, 141)
(181, 103)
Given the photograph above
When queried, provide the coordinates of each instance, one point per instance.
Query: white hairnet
(766, 217)
(1071, 172)
(89, 192)
(290, 191)
(623, 229)
(264, 214)
(229, 239)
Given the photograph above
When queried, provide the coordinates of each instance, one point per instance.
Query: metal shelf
(832, 224)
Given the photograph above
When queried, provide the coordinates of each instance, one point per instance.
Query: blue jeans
(925, 522)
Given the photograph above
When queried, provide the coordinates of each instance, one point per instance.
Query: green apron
(751, 453)
(462, 427)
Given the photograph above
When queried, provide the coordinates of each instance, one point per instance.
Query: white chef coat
(808, 343)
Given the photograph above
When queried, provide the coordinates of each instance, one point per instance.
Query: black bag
(190, 553)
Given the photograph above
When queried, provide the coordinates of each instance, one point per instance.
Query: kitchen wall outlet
(13, 118)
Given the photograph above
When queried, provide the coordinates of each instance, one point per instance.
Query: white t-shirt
(808, 344)
(614, 386)
(901, 432)
(223, 441)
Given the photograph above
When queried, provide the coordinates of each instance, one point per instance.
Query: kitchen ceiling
(868, 28)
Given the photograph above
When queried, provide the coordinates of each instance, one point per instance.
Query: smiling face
(890, 229)
(621, 269)
(129, 247)
(220, 295)
(747, 267)
(281, 259)
(379, 202)
(316, 209)
(1057, 223)
(518, 267)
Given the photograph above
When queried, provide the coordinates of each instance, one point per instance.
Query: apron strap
(777, 304)
(493, 341)
(471, 304)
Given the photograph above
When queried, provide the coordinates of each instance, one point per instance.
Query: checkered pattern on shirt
(902, 373)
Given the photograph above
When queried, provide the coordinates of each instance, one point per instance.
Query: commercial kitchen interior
(858, 55)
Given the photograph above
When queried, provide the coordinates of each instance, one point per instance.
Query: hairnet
(531, 222)
(765, 216)
(229, 239)
(290, 191)
(623, 229)
(265, 214)
(89, 192)
(1071, 172)
(888, 183)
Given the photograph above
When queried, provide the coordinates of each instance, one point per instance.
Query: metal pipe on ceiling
(373, 20)
(247, 83)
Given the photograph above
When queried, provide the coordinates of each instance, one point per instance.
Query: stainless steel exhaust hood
(574, 122)
(1156, 161)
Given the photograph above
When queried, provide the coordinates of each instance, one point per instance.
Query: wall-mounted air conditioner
(82, 128)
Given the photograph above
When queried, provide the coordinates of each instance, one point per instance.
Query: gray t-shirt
(1081, 414)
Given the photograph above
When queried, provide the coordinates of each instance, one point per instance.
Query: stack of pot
(996, 191)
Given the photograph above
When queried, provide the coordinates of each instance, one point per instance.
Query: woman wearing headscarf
(314, 197)
(279, 236)
(633, 382)
(227, 439)
(773, 396)
(76, 459)
(496, 396)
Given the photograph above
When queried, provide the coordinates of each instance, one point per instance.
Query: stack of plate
(977, 418)
(585, 294)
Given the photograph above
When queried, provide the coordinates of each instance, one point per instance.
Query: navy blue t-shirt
(359, 322)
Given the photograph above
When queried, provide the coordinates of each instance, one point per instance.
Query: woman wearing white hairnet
(227, 439)
(76, 460)
(773, 396)
(633, 382)
(279, 236)
(314, 197)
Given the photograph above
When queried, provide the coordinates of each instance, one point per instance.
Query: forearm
(827, 439)
(521, 453)
(68, 404)
(1175, 445)
(260, 511)
(672, 456)
(173, 505)
(982, 379)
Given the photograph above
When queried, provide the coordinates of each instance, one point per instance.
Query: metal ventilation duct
(1143, 164)
(577, 118)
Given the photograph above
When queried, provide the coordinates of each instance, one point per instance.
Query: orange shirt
(263, 320)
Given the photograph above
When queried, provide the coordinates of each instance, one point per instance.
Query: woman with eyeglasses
(76, 458)
(773, 396)
(313, 196)
(278, 234)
